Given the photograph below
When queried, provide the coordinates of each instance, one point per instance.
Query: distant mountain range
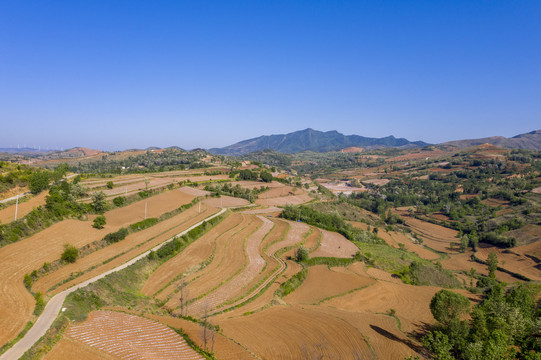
(529, 141)
(312, 140)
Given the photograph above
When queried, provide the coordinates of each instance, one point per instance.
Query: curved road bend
(54, 305)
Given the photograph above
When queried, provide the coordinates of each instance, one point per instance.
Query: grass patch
(292, 283)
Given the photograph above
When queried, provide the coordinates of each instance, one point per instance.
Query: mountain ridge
(312, 140)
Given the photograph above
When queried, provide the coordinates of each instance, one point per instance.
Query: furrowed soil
(128, 336)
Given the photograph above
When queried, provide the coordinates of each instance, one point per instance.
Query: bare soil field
(323, 282)
(379, 182)
(189, 258)
(300, 333)
(133, 245)
(13, 192)
(290, 199)
(8, 214)
(194, 191)
(128, 336)
(66, 348)
(335, 245)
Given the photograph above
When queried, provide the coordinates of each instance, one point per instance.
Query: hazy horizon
(134, 74)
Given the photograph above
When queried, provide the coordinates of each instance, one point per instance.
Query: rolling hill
(529, 141)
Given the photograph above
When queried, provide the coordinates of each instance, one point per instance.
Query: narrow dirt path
(54, 305)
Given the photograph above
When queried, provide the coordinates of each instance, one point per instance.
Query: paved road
(54, 305)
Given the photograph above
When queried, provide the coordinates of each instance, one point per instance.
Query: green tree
(70, 254)
(447, 306)
(38, 182)
(99, 204)
(301, 254)
(492, 263)
(99, 222)
(119, 201)
(266, 176)
(60, 171)
(110, 184)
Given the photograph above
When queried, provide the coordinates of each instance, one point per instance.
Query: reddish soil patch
(128, 336)
(379, 182)
(463, 262)
(335, 245)
(323, 282)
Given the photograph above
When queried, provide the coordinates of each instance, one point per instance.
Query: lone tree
(447, 306)
(492, 263)
(301, 254)
(99, 222)
(70, 254)
(99, 204)
(39, 181)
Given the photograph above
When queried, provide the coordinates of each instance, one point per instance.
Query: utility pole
(145, 209)
(16, 206)
(200, 207)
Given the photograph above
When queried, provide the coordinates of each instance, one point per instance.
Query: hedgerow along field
(355, 291)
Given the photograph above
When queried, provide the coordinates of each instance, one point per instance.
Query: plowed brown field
(131, 337)
(323, 282)
(226, 201)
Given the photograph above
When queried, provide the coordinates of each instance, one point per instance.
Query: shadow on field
(415, 347)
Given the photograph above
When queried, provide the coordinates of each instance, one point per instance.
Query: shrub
(143, 224)
(116, 236)
(99, 222)
(70, 254)
(301, 254)
(119, 201)
(110, 185)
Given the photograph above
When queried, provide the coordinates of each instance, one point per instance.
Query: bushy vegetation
(422, 272)
(143, 224)
(236, 191)
(504, 325)
(116, 236)
(70, 253)
(99, 222)
(166, 160)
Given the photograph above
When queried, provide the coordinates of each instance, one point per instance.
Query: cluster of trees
(471, 216)
(330, 221)
(250, 175)
(506, 324)
(236, 191)
(168, 159)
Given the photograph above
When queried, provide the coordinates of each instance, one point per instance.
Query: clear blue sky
(123, 74)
